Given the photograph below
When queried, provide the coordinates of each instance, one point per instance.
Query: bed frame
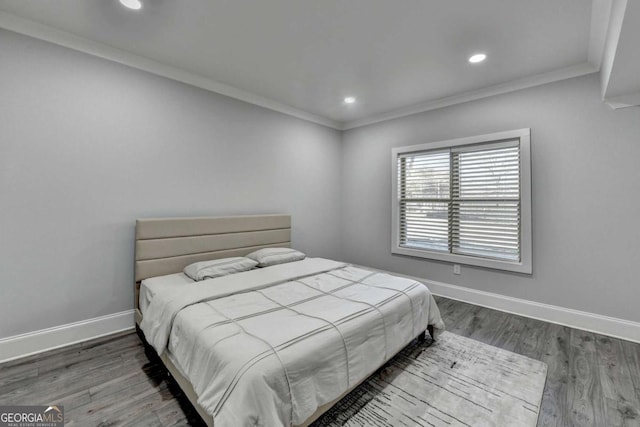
(167, 245)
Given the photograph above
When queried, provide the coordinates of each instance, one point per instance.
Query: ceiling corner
(570, 72)
(614, 29)
(62, 38)
(621, 63)
(600, 16)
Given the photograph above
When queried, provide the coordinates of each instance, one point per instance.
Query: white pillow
(218, 267)
(272, 256)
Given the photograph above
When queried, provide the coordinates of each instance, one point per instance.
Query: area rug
(455, 381)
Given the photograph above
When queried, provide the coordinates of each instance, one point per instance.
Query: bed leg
(423, 335)
(430, 330)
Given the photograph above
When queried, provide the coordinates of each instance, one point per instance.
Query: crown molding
(512, 86)
(44, 32)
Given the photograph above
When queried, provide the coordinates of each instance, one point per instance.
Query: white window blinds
(464, 200)
(425, 188)
(485, 202)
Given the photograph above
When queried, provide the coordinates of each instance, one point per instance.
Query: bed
(271, 346)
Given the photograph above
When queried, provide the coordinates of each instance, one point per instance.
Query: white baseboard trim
(605, 325)
(591, 322)
(19, 346)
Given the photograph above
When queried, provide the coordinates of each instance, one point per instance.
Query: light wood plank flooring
(593, 380)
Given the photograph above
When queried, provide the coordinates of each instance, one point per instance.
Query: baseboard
(597, 323)
(605, 325)
(60, 336)
(19, 346)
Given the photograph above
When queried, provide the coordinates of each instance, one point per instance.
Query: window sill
(517, 267)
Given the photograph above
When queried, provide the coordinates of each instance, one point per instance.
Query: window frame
(525, 263)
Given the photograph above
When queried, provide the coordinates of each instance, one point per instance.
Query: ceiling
(302, 57)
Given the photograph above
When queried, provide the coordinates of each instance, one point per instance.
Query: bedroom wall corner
(89, 145)
(584, 170)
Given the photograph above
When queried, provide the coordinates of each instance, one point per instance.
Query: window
(466, 201)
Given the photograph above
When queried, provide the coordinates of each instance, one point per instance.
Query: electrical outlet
(456, 268)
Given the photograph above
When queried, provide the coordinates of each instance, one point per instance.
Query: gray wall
(586, 176)
(87, 146)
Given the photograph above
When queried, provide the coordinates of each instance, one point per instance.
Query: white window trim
(525, 264)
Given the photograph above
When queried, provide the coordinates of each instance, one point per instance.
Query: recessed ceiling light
(349, 100)
(132, 4)
(478, 57)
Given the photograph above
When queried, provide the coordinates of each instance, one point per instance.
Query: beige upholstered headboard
(167, 245)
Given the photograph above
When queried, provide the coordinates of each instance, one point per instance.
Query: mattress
(270, 346)
(169, 283)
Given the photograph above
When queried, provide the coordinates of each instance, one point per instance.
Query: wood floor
(593, 380)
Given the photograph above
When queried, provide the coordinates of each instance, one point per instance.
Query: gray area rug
(456, 381)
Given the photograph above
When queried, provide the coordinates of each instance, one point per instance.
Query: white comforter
(269, 346)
